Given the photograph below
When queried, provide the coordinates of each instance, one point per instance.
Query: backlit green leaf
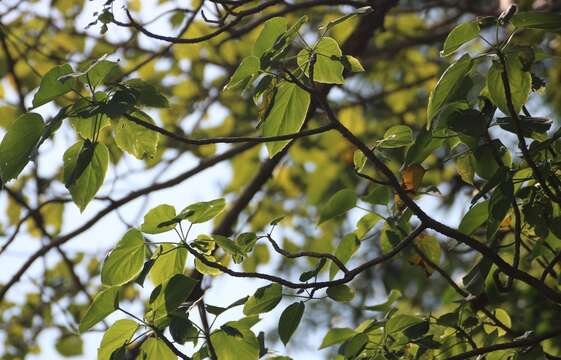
(247, 68)
(170, 260)
(124, 263)
(520, 84)
(264, 300)
(345, 250)
(287, 114)
(397, 136)
(231, 347)
(51, 87)
(460, 35)
(446, 85)
(336, 336)
(272, 29)
(474, 218)
(18, 144)
(156, 216)
(167, 297)
(203, 211)
(503, 317)
(543, 20)
(155, 348)
(328, 67)
(84, 187)
(104, 303)
(114, 338)
(136, 139)
(341, 202)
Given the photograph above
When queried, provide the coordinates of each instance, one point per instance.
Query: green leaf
(341, 293)
(359, 160)
(465, 166)
(352, 64)
(363, 10)
(125, 261)
(85, 125)
(341, 202)
(86, 185)
(499, 205)
(136, 139)
(287, 114)
(520, 84)
(155, 217)
(417, 330)
(474, 218)
(272, 29)
(98, 71)
(503, 317)
(229, 247)
(170, 260)
(167, 297)
(353, 347)
(401, 322)
(247, 68)
(336, 336)
(147, 94)
(154, 348)
(429, 246)
(422, 148)
(231, 347)
(104, 303)
(397, 136)
(488, 169)
(217, 310)
(346, 248)
(114, 338)
(328, 68)
(18, 144)
(51, 87)
(206, 269)
(542, 20)
(246, 241)
(448, 83)
(264, 300)
(393, 296)
(468, 122)
(529, 126)
(203, 211)
(460, 35)
(289, 321)
(69, 345)
(182, 329)
(474, 280)
(379, 195)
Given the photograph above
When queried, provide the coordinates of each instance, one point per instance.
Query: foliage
(362, 127)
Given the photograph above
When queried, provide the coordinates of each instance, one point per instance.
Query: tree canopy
(385, 179)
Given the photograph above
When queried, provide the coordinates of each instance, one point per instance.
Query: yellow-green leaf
(117, 336)
(125, 261)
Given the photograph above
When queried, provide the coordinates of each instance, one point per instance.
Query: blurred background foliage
(402, 65)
